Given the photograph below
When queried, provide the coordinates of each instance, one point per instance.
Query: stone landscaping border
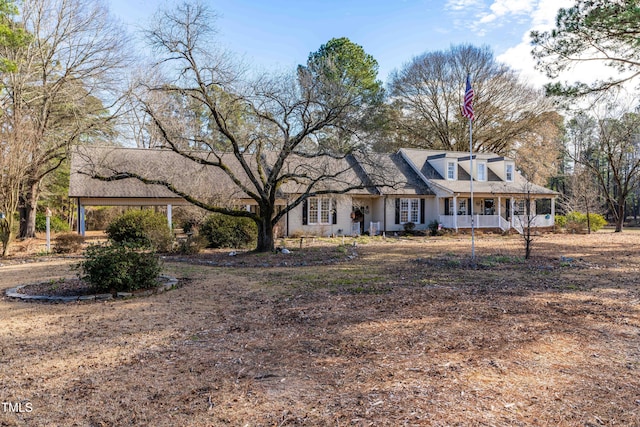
(165, 283)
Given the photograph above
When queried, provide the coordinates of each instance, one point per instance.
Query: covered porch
(496, 212)
(166, 202)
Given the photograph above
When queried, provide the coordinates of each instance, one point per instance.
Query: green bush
(67, 243)
(223, 231)
(143, 228)
(193, 244)
(576, 222)
(58, 225)
(596, 221)
(119, 268)
(434, 228)
(409, 227)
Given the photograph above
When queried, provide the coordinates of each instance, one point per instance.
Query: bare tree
(428, 91)
(607, 143)
(14, 165)
(538, 153)
(526, 222)
(585, 194)
(63, 90)
(273, 132)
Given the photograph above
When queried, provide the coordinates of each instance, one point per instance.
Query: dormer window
(508, 172)
(451, 171)
(482, 172)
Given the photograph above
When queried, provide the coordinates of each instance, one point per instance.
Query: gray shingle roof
(519, 186)
(188, 176)
(387, 174)
(397, 176)
(205, 182)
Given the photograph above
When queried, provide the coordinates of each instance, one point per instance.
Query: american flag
(467, 107)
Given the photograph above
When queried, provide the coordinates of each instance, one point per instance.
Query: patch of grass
(185, 270)
(367, 290)
(452, 263)
(504, 259)
(341, 281)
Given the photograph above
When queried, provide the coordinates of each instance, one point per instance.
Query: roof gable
(422, 161)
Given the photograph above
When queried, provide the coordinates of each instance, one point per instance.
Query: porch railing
(494, 221)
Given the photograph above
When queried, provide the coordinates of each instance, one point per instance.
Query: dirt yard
(388, 333)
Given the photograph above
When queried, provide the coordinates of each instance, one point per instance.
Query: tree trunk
(588, 217)
(619, 217)
(265, 235)
(5, 234)
(28, 211)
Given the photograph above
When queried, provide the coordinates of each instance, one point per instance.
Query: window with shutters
(410, 211)
(520, 207)
(325, 208)
(462, 207)
(320, 210)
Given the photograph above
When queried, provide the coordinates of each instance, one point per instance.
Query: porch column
(455, 212)
(81, 219)
(553, 211)
(169, 217)
(500, 212)
(384, 217)
(438, 208)
(511, 213)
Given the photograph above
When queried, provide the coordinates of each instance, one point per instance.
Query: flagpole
(467, 111)
(473, 247)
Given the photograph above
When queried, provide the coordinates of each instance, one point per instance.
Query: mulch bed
(58, 288)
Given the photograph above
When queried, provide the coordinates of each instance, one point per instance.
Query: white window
(482, 171)
(409, 211)
(415, 211)
(451, 171)
(325, 208)
(319, 210)
(462, 207)
(520, 207)
(509, 172)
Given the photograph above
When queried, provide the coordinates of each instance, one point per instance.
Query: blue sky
(279, 34)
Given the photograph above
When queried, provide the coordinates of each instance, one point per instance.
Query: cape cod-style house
(410, 185)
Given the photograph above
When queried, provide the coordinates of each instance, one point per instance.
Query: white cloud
(462, 4)
(513, 7)
(500, 8)
(544, 14)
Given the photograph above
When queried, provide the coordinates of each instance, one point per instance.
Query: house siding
(343, 221)
(428, 214)
(414, 174)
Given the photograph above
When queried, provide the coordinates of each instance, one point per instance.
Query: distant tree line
(68, 78)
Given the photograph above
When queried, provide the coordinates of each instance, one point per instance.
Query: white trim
(411, 204)
(506, 171)
(320, 210)
(483, 166)
(453, 170)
